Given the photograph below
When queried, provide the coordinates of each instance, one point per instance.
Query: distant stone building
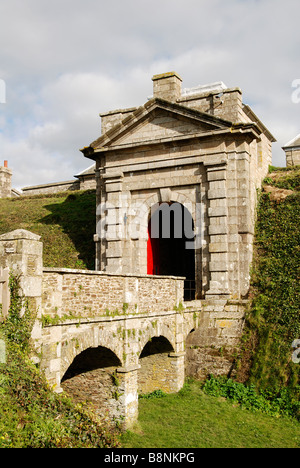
(192, 159)
(85, 180)
(292, 151)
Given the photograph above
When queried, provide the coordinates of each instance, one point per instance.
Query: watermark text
(296, 353)
(134, 220)
(2, 91)
(296, 92)
(2, 352)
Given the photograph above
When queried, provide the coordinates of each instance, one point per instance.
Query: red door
(152, 254)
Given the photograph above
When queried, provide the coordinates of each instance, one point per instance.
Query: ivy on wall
(274, 319)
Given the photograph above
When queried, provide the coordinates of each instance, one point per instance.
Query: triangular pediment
(157, 121)
(162, 125)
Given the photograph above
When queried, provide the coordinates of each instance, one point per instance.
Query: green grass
(66, 223)
(193, 419)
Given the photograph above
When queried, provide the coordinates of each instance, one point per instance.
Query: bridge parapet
(83, 293)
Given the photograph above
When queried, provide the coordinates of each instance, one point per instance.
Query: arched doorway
(170, 246)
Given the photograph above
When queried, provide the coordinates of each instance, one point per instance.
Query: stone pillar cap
(166, 75)
(20, 234)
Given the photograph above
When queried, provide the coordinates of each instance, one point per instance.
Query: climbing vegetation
(273, 322)
(31, 414)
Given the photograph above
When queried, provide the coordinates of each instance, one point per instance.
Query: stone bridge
(111, 357)
(106, 338)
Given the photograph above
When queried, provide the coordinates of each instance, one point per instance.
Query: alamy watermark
(296, 92)
(131, 220)
(2, 92)
(2, 352)
(296, 353)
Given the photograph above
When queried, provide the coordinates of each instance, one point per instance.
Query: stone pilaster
(128, 389)
(178, 363)
(217, 230)
(114, 221)
(245, 221)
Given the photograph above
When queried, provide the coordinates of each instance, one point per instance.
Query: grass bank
(65, 222)
(193, 419)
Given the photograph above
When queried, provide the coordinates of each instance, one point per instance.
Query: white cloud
(66, 61)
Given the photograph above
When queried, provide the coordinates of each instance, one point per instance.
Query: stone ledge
(71, 271)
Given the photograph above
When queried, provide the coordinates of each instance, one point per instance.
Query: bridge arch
(91, 338)
(92, 376)
(157, 371)
(157, 329)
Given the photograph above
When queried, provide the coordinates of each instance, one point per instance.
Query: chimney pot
(5, 163)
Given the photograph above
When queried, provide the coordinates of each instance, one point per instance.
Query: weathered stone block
(216, 175)
(218, 229)
(216, 193)
(217, 211)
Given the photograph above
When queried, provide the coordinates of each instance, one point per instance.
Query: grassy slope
(33, 416)
(65, 222)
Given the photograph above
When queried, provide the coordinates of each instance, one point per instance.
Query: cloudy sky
(65, 61)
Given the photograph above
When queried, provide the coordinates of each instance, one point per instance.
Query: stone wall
(214, 345)
(82, 293)
(56, 187)
(293, 156)
(85, 183)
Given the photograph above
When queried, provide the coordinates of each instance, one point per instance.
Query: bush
(153, 395)
(281, 402)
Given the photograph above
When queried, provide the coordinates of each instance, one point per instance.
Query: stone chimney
(167, 86)
(5, 181)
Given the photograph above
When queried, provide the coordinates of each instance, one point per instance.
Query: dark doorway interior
(170, 249)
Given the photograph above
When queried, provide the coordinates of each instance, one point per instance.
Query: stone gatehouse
(198, 154)
(176, 196)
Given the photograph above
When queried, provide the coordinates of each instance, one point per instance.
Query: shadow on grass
(76, 215)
